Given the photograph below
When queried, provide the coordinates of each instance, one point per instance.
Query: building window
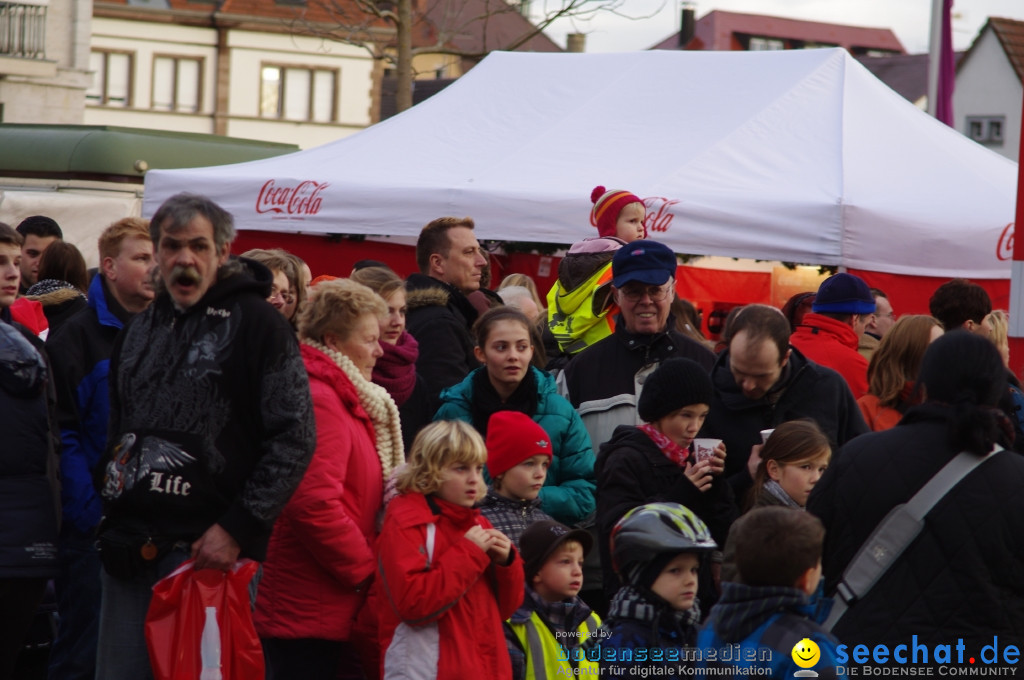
(296, 93)
(111, 78)
(986, 129)
(758, 44)
(177, 84)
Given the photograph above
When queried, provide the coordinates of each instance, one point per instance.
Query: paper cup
(705, 448)
(765, 434)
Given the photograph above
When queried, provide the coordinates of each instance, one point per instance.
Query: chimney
(576, 42)
(688, 24)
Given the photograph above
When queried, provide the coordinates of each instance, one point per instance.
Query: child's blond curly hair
(438, 445)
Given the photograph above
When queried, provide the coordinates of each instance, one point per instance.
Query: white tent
(801, 156)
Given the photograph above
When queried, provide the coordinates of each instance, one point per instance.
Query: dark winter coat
(604, 381)
(80, 351)
(60, 301)
(808, 391)
(29, 495)
(642, 631)
(963, 576)
(767, 618)
(210, 416)
(440, 318)
(631, 471)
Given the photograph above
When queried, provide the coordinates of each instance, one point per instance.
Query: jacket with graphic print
(211, 419)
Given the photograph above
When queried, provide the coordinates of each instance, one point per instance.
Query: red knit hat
(607, 206)
(512, 437)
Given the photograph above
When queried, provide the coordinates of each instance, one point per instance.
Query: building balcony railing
(22, 30)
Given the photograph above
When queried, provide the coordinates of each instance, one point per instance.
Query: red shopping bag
(201, 620)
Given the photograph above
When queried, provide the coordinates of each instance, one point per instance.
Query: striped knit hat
(607, 206)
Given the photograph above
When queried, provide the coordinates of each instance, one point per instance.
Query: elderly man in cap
(830, 334)
(604, 381)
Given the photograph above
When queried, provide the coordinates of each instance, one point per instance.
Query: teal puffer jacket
(568, 493)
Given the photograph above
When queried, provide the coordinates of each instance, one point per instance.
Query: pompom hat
(512, 437)
(607, 206)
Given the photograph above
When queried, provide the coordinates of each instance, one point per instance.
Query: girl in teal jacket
(507, 382)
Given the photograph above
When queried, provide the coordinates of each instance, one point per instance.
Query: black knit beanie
(674, 384)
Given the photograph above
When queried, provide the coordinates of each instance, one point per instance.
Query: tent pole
(934, 57)
(1016, 330)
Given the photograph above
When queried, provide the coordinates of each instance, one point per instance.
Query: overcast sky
(909, 19)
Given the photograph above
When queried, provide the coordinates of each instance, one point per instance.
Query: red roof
(284, 16)
(718, 30)
(481, 26)
(1010, 33)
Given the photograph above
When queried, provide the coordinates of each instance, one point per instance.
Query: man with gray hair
(521, 298)
(211, 424)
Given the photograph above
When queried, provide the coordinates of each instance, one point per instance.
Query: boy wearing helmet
(776, 602)
(656, 551)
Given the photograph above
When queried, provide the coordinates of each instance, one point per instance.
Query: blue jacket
(568, 493)
(767, 622)
(80, 353)
(643, 632)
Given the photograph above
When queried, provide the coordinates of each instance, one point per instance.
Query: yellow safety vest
(580, 317)
(537, 640)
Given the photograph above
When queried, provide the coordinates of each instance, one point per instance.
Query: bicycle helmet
(647, 531)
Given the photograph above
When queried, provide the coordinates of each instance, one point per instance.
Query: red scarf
(672, 451)
(396, 370)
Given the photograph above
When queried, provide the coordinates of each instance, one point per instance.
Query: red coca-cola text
(302, 199)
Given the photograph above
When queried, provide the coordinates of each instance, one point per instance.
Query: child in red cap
(518, 457)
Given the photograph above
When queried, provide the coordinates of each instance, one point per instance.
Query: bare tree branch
(467, 29)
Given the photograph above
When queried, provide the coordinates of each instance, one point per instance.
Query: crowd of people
(444, 481)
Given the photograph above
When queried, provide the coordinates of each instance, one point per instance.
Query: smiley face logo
(806, 653)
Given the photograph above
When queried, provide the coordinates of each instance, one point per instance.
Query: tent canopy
(800, 156)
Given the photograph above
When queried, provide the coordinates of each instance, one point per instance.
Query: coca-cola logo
(658, 218)
(303, 199)
(1004, 248)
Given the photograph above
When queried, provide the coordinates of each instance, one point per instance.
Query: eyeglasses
(286, 295)
(637, 293)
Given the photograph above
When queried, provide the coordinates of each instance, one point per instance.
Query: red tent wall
(708, 289)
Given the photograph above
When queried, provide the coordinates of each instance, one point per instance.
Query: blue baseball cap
(644, 261)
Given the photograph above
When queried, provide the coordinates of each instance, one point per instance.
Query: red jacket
(878, 417)
(322, 545)
(833, 343)
(472, 595)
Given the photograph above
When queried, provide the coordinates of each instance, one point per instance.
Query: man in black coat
(439, 313)
(761, 381)
(211, 424)
(605, 380)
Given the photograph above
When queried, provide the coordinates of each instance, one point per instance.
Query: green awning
(119, 154)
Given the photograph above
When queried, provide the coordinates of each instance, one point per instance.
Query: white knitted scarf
(378, 405)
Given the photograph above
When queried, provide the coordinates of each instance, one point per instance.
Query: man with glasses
(878, 325)
(604, 381)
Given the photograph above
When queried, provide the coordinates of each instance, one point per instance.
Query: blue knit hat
(844, 294)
